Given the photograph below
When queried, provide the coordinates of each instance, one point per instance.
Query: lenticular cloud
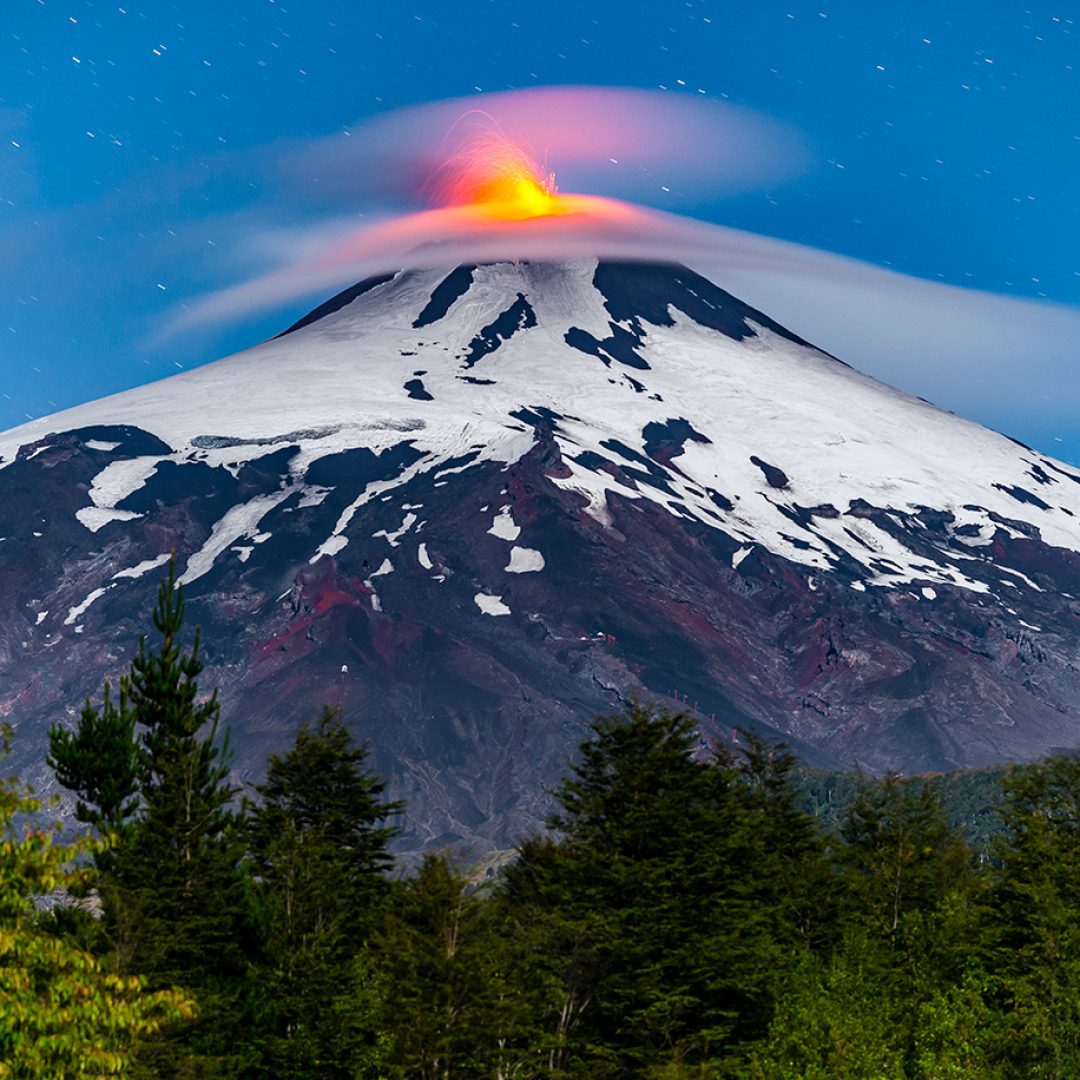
(566, 171)
(538, 174)
(629, 144)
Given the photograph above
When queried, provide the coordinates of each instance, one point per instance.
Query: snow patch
(490, 605)
(98, 444)
(394, 538)
(239, 522)
(76, 612)
(1023, 577)
(423, 558)
(139, 569)
(524, 560)
(119, 479)
(313, 496)
(386, 567)
(504, 526)
(930, 594)
(97, 517)
(330, 546)
(738, 556)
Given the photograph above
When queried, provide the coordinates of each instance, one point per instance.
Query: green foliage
(62, 1013)
(832, 1020)
(99, 761)
(182, 911)
(899, 855)
(1037, 909)
(318, 847)
(971, 799)
(689, 915)
(667, 901)
(460, 999)
(175, 895)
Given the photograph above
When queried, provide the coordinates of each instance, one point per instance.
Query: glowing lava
(489, 202)
(499, 180)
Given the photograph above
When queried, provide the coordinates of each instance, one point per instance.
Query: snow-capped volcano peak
(655, 385)
(473, 508)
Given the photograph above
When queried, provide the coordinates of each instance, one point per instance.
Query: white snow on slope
(97, 517)
(524, 560)
(504, 526)
(80, 609)
(142, 568)
(239, 521)
(839, 436)
(490, 605)
(394, 538)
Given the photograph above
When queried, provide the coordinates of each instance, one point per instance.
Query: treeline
(684, 917)
(971, 799)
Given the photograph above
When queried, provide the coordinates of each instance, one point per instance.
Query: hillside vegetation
(686, 915)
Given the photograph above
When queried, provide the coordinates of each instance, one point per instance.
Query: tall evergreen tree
(153, 768)
(318, 844)
(796, 878)
(451, 1003)
(898, 989)
(654, 889)
(99, 761)
(900, 855)
(183, 915)
(1037, 916)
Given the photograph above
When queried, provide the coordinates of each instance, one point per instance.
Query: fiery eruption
(488, 199)
(498, 178)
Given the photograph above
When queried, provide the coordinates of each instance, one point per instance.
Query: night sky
(135, 141)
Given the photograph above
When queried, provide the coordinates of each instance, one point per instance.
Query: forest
(686, 914)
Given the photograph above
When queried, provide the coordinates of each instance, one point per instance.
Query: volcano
(473, 508)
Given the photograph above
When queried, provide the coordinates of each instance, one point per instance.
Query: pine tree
(446, 1000)
(900, 855)
(797, 881)
(318, 843)
(182, 909)
(1037, 917)
(668, 935)
(99, 761)
(911, 913)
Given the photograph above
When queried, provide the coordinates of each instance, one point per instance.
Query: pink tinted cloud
(960, 347)
(629, 143)
(605, 141)
(594, 227)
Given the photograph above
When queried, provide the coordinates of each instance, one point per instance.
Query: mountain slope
(474, 507)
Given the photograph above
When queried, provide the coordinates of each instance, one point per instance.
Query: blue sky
(944, 142)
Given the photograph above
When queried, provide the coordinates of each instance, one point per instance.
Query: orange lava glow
(498, 180)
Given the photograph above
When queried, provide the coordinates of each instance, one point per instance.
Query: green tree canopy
(318, 840)
(63, 1015)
